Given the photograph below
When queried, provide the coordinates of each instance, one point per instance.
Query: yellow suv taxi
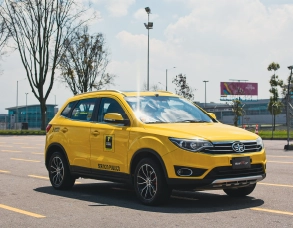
(156, 141)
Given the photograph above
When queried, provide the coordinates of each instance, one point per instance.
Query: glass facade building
(30, 114)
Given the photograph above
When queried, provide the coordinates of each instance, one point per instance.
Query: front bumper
(213, 184)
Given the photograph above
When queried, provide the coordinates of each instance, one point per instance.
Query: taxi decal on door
(109, 143)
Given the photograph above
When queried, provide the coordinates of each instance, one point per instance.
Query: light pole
(273, 119)
(288, 104)
(26, 107)
(167, 77)
(16, 119)
(148, 26)
(205, 92)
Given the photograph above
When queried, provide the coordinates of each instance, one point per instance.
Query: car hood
(209, 131)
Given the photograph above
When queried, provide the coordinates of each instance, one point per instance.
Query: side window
(109, 105)
(66, 111)
(84, 109)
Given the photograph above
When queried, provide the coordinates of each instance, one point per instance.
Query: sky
(206, 40)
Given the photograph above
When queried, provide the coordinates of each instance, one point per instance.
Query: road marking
(279, 156)
(36, 153)
(5, 146)
(19, 159)
(40, 144)
(13, 151)
(28, 147)
(46, 178)
(4, 171)
(272, 211)
(21, 211)
(279, 185)
(20, 143)
(281, 162)
(40, 177)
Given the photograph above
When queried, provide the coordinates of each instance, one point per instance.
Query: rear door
(76, 134)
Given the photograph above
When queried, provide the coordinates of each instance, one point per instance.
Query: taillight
(48, 128)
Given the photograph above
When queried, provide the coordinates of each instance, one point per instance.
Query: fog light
(184, 172)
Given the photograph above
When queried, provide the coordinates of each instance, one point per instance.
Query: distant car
(156, 141)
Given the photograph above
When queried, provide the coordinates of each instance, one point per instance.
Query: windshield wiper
(154, 122)
(191, 121)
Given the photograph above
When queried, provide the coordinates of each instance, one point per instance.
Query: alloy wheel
(147, 182)
(57, 171)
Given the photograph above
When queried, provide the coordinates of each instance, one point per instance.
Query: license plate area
(241, 163)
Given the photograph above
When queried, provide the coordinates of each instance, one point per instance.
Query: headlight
(191, 144)
(259, 142)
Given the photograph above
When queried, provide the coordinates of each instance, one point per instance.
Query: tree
(39, 29)
(4, 35)
(237, 109)
(84, 61)
(153, 87)
(183, 88)
(275, 106)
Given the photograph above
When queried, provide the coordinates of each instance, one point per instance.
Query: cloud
(118, 8)
(219, 40)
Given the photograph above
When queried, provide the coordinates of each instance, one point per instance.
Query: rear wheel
(240, 192)
(59, 174)
(150, 184)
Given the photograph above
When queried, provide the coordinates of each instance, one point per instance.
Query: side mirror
(212, 115)
(116, 118)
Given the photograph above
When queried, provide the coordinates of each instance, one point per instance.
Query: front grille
(226, 148)
(228, 172)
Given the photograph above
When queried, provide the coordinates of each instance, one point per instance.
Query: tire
(59, 174)
(240, 192)
(150, 184)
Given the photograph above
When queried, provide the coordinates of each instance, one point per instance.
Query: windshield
(163, 109)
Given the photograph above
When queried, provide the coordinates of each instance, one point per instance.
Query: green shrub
(22, 132)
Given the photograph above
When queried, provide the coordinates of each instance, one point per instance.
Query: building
(255, 112)
(26, 117)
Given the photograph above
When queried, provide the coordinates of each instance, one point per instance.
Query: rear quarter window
(67, 110)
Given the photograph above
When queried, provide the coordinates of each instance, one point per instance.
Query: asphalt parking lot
(28, 200)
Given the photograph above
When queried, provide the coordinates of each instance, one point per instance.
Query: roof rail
(163, 91)
(117, 91)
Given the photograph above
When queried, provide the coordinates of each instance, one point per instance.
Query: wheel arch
(146, 153)
(55, 147)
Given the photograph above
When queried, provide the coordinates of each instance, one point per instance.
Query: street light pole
(148, 26)
(26, 107)
(16, 119)
(167, 78)
(273, 119)
(288, 104)
(205, 92)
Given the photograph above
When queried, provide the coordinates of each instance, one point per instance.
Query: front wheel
(150, 184)
(239, 192)
(59, 174)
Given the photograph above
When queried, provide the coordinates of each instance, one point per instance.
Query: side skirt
(100, 174)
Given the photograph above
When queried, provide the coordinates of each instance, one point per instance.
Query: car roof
(126, 93)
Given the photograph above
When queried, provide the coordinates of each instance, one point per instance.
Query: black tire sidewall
(240, 192)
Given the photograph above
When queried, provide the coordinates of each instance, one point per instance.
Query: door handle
(95, 133)
(64, 130)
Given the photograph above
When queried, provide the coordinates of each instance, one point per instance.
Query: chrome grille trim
(225, 147)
